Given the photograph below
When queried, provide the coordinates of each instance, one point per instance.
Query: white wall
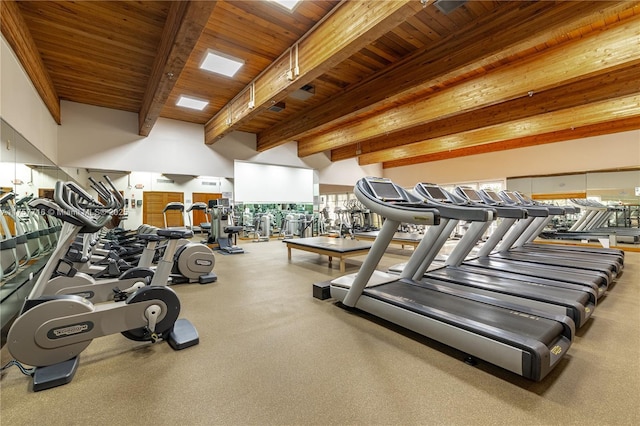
(340, 174)
(21, 106)
(102, 138)
(588, 154)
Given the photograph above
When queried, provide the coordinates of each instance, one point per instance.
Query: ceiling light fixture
(287, 4)
(304, 93)
(221, 64)
(448, 6)
(193, 103)
(277, 107)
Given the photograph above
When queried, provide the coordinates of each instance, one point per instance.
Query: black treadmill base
(322, 290)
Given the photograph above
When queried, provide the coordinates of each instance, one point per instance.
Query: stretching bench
(340, 248)
(402, 238)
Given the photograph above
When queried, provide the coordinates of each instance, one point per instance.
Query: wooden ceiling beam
(185, 22)
(352, 26)
(625, 107)
(600, 52)
(606, 128)
(596, 88)
(465, 50)
(16, 32)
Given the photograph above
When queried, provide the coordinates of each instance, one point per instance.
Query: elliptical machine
(221, 225)
(51, 331)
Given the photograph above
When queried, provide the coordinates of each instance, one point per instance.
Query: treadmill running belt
(589, 278)
(499, 323)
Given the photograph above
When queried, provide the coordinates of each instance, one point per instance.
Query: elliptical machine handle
(90, 224)
(99, 188)
(92, 203)
(118, 196)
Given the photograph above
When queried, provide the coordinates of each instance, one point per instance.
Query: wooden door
(202, 197)
(153, 203)
(45, 193)
(10, 223)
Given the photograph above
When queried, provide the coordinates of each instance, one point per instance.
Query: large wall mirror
(24, 170)
(608, 186)
(26, 173)
(614, 192)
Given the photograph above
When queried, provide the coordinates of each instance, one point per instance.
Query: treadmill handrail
(534, 211)
(503, 210)
(411, 210)
(456, 208)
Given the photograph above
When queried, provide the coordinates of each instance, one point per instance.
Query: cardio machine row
(191, 262)
(61, 317)
(521, 316)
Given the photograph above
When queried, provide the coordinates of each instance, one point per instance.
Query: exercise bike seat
(150, 237)
(232, 229)
(175, 234)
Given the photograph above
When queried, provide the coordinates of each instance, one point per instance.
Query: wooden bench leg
(289, 252)
(343, 267)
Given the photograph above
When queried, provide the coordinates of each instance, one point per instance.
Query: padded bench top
(338, 245)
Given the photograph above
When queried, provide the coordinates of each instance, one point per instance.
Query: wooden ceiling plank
(19, 38)
(609, 127)
(454, 56)
(61, 31)
(600, 53)
(619, 83)
(359, 24)
(185, 23)
(584, 115)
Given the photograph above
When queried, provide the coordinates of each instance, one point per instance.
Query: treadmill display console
(435, 193)
(219, 202)
(493, 195)
(511, 197)
(385, 191)
(471, 194)
(525, 198)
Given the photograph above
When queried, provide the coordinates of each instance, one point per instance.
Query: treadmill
(525, 241)
(578, 303)
(521, 232)
(593, 225)
(508, 232)
(524, 341)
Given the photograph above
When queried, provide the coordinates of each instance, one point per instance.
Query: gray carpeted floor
(272, 354)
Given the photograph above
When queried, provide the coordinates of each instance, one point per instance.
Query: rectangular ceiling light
(187, 102)
(288, 4)
(221, 64)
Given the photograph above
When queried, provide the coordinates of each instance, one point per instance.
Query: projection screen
(268, 183)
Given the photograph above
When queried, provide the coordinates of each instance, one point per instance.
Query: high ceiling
(396, 82)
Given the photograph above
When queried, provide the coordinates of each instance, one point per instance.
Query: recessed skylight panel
(221, 64)
(288, 4)
(193, 103)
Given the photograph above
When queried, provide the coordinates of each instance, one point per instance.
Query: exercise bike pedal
(55, 375)
(183, 335)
